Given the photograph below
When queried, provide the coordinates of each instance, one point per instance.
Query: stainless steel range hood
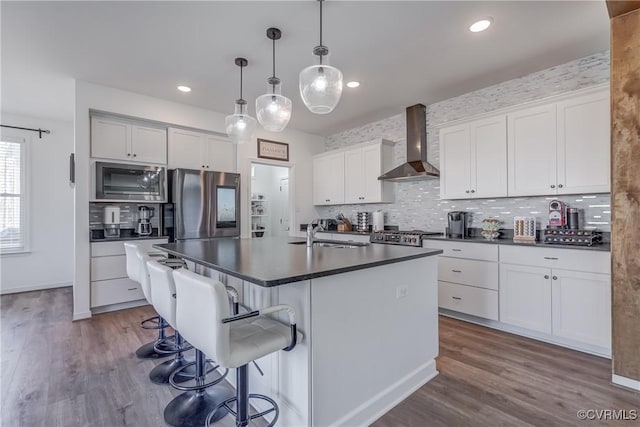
(416, 166)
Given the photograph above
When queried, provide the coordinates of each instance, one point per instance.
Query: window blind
(13, 227)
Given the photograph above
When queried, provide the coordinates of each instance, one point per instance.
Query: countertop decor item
(490, 228)
(321, 85)
(524, 229)
(240, 125)
(273, 109)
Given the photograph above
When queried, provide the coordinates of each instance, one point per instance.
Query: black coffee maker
(458, 225)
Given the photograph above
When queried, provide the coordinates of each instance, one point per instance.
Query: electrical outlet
(402, 291)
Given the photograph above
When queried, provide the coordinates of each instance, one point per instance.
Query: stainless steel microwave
(115, 181)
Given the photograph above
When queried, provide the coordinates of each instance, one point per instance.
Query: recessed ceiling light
(184, 88)
(481, 25)
(353, 84)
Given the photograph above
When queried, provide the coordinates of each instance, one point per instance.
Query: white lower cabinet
(468, 299)
(581, 307)
(109, 281)
(525, 297)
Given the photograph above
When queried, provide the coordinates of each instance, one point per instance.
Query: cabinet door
(582, 307)
(110, 139)
(328, 179)
(455, 162)
(186, 149)
(354, 176)
(372, 169)
(532, 151)
(584, 144)
(220, 154)
(525, 297)
(148, 144)
(489, 157)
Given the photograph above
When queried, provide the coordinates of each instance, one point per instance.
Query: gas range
(404, 238)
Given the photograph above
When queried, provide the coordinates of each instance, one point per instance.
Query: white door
(455, 162)
(321, 169)
(336, 181)
(185, 149)
(281, 207)
(531, 148)
(489, 157)
(110, 139)
(354, 176)
(525, 297)
(149, 144)
(582, 307)
(584, 144)
(220, 154)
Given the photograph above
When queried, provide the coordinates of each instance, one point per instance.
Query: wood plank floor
(55, 372)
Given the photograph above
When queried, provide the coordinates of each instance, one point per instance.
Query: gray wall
(418, 204)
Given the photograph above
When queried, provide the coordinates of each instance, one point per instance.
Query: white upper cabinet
(584, 144)
(122, 139)
(532, 151)
(328, 179)
(561, 147)
(197, 150)
(351, 175)
(474, 159)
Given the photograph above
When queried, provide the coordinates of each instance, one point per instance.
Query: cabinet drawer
(479, 251)
(117, 248)
(114, 291)
(469, 300)
(568, 259)
(482, 274)
(108, 267)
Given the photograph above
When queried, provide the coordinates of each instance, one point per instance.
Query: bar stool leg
(161, 373)
(242, 395)
(191, 408)
(147, 351)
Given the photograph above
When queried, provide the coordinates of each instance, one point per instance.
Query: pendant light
(273, 109)
(321, 85)
(240, 125)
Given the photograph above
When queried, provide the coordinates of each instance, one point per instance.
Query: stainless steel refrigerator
(206, 204)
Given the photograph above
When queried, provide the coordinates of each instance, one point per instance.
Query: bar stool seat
(233, 341)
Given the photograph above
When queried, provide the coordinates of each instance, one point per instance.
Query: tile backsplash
(128, 214)
(418, 204)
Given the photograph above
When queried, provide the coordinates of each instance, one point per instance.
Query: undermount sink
(333, 244)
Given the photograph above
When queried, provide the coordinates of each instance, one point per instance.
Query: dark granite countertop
(596, 247)
(272, 261)
(355, 233)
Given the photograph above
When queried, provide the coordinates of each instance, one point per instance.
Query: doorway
(269, 200)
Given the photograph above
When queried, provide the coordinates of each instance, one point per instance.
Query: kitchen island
(369, 315)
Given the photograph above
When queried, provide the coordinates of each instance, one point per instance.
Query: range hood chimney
(416, 166)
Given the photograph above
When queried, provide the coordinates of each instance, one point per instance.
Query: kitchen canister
(378, 221)
(362, 221)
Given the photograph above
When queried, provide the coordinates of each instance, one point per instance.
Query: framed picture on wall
(273, 150)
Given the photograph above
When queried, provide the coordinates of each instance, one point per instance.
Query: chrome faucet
(311, 233)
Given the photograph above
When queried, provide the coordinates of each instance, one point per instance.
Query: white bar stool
(232, 341)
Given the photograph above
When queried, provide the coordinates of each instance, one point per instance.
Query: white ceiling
(401, 52)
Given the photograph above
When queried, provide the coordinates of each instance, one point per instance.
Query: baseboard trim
(625, 382)
(81, 316)
(16, 290)
(386, 400)
(119, 306)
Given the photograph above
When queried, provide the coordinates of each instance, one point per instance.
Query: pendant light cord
(274, 64)
(241, 67)
(321, 28)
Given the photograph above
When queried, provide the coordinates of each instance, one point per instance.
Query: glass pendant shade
(240, 125)
(321, 88)
(273, 109)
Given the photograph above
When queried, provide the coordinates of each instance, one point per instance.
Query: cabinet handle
(132, 289)
(202, 166)
(467, 191)
(458, 298)
(134, 154)
(559, 185)
(207, 166)
(456, 250)
(473, 191)
(457, 271)
(546, 276)
(555, 277)
(553, 186)
(550, 257)
(128, 154)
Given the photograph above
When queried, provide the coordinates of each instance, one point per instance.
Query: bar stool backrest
(201, 304)
(164, 288)
(145, 283)
(133, 267)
